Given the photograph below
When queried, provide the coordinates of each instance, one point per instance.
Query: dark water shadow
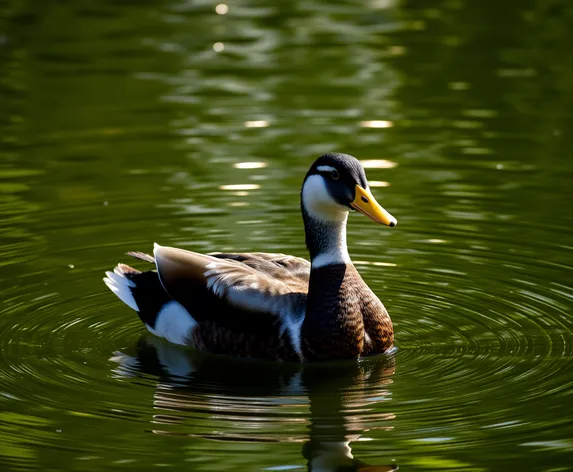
(339, 398)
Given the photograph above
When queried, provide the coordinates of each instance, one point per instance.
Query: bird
(271, 306)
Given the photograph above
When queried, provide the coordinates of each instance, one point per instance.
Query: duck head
(334, 185)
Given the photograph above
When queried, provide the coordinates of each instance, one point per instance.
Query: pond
(192, 124)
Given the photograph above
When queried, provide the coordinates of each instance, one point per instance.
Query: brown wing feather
(269, 262)
(256, 286)
(141, 256)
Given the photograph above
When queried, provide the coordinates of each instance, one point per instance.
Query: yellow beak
(365, 203)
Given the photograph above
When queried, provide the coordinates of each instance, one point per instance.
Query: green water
(125, 123)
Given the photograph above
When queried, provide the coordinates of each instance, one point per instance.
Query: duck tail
(121, 282)
(143, 292)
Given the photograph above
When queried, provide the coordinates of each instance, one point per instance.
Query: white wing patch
(173, 323)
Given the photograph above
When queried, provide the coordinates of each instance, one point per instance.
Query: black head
(336, 183)
(341, 174)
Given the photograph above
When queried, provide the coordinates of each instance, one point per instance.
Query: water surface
(124, 123)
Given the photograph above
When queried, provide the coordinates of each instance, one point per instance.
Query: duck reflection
(268, 402)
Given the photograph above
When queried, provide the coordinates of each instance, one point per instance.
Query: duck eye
(335, 175)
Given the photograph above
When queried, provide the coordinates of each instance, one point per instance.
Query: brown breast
(377, 324)
(344, 319)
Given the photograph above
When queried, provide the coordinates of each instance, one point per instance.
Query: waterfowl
(271, 306)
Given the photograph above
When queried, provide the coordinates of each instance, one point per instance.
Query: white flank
(119, 284)
(173, 323)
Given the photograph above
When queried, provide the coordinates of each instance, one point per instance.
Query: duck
(271, 306)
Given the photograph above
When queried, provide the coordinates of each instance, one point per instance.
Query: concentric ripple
(472, 367)
(192, 124)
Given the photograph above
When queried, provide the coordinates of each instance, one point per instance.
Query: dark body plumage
(363, 328)
(271, 306)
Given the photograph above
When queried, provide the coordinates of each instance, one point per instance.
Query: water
(124, 123)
